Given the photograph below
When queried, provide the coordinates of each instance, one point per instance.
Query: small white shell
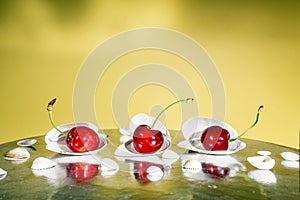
(192, 166)
(3, 174)
(290, 156)
(264, 153)
(261, 162)
(154, 173)
(27, 142)
(18, 153)
(109, 167)
(263, 176)
(290, 163)
(42, 163)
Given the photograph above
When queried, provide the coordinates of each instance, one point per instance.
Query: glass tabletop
(191, 175)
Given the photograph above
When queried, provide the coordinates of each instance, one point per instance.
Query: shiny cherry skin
(82, 139)
(140, 171)
(82, 172)
(215, 171)
(146, 140)
(215, 138)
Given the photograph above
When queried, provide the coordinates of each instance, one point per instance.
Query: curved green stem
(256, 120)
(188, 100)
(53, 124)
(49, 108)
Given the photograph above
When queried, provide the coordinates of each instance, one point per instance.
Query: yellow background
(255, 46)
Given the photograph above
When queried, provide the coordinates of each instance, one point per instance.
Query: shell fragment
(3, 174)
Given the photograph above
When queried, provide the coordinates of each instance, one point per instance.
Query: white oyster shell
(191, 166)
(19, 153)
(3, 174)
(261, 162)
(42, 163)
(290, 156)
(263, 176)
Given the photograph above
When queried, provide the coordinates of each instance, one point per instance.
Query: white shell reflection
(261, 162)
(290, 164)
(197, 166)
(263, 176)
(3, 174)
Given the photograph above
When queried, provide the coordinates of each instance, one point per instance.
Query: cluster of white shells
(264, 163)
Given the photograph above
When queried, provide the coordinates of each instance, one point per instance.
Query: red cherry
(140, 171)
(215, 138)
(82, 172)
(215, 171)
(146, 140)
(82, 139)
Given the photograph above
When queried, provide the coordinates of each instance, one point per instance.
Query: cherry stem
(50, 108)
(256, 120)
(187, 100)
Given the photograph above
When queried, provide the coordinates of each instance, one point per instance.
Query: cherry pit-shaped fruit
(148, 140)
(79, 139)
(216, 138)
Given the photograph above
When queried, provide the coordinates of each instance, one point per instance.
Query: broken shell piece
(192, 166)
(3, 174)
(290, 156)
(263, 176)
(264, 153)
(154, 173)
(19, 153)
(290, 163)
(261, 162)
(42, 163)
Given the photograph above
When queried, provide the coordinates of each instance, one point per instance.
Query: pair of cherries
(214, 138)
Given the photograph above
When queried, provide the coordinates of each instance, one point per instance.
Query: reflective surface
(225, 177)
